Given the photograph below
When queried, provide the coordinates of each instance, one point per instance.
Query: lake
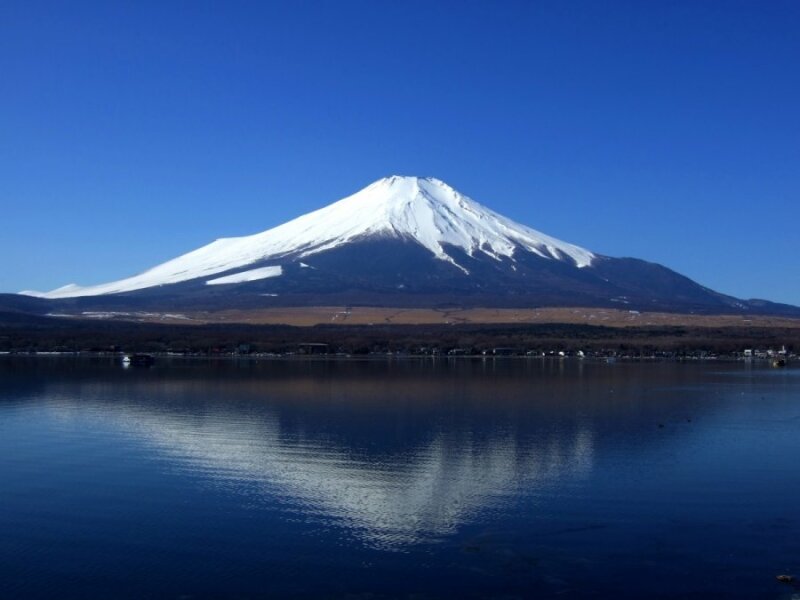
(429, 478)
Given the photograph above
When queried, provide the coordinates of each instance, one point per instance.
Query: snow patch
(251, 275)
(95, 314)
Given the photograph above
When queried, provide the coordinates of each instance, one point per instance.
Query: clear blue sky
(131, 132)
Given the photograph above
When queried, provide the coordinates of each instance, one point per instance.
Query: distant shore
(593, 332)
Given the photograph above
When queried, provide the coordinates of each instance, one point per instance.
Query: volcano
(403, 242)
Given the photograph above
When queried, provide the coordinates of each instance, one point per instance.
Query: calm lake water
(506, 478)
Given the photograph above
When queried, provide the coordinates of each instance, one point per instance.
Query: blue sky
(132, 132)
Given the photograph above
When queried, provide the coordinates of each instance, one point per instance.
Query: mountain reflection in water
(415, 488)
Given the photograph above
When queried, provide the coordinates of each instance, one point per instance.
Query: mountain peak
(413, 179)
(410, 188)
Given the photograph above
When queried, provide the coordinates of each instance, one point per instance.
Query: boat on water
(138, 360)
(779, 362)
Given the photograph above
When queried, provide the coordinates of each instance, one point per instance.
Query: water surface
(408, 478)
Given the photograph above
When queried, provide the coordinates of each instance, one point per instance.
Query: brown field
(338, 315)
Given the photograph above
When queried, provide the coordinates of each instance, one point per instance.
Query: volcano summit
(404, 241)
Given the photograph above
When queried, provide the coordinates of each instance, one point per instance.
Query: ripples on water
(468, 478)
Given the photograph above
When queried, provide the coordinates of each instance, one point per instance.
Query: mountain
(427, 212)
(403, 241)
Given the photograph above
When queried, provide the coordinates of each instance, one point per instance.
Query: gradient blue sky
(131, 132)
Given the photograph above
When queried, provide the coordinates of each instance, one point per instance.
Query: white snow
(251, 275)
(425, 210)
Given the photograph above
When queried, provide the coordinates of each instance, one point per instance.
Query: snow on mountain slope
(427, 211)
(252, 275)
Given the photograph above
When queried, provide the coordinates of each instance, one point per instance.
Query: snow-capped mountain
(426, 211)
(402, 241)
